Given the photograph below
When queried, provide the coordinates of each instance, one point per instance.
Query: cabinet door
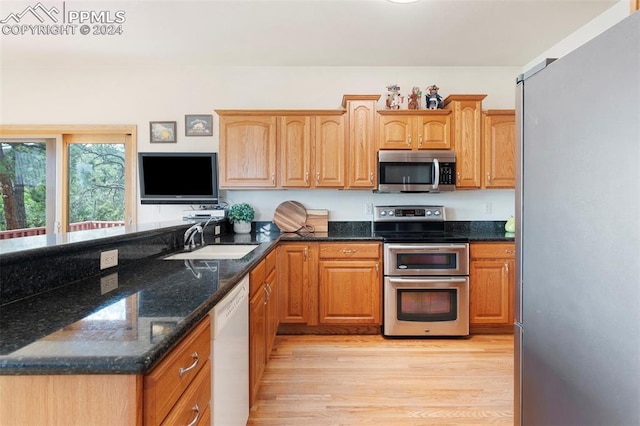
(349, 292)
(499, 149)
(330, 150)
(467, 122)
(297, 281)
(433, 131)
(361, 144)
(247, 152)
(295, 151)
(257, 340)
(489, 292)
(396, 132)
(492, 279)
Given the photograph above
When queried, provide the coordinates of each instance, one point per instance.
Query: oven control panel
(409, 213)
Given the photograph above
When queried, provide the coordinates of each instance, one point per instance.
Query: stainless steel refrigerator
(577, 331)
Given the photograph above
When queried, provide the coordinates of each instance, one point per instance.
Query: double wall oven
(426, 272)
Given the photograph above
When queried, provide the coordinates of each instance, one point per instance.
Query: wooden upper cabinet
(499, 149)
(467, 124)
(295, 151)
(312, 151)
(330, 151)
(247, 150)
(361, 141)
(414, 129)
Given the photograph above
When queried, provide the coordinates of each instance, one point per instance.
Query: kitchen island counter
(126, 319)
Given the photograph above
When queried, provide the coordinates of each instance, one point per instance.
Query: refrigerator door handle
(518, 198)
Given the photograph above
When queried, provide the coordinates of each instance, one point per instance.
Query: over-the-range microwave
(416, 171)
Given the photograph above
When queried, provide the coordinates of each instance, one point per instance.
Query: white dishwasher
(230, 357)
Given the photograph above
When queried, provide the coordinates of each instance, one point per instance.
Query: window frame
(57, 139)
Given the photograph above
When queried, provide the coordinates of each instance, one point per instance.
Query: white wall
(79, 93)
(585, 33)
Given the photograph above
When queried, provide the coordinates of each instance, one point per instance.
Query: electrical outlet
(109, 283)
(486, 208)
(217, 230)
(368, 208)
(108, 259)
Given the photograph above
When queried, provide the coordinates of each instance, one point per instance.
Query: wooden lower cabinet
(491, 289)
(263, 319)
(330, 283)
(297, 279)
(181, 380)
(162, 397)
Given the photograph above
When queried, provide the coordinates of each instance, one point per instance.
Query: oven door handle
(414, 281)
(430, 247)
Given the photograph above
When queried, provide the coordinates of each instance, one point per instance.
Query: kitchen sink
(216, 251)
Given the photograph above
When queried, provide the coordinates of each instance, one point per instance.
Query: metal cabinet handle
(306, 177)
(195, 420)
(488, 177)
(273, 177)
(420, 141)
(371, 177)
(348, 251)
(192, 366)
(266, 295)
(318, 177)
(377, 270)
(409, 140)
(305, 252)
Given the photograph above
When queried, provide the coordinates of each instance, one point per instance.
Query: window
(23, 185)
(66, 178)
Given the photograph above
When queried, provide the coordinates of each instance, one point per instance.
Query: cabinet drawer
(257, 277)
(492, 250)
(165, 384)
(349, 251)
(198, 394)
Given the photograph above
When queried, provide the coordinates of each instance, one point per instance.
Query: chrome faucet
(190, 236)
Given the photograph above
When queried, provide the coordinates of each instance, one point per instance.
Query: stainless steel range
(426, 272)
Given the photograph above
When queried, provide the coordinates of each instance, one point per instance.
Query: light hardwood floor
(360, 380)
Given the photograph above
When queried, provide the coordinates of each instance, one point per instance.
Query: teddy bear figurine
(434, 100)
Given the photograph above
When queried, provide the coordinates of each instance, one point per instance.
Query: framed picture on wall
(162, 131)
(198, 125)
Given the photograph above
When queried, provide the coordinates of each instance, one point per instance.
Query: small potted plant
(241, 216)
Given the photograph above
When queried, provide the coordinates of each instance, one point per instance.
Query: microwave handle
(436, 171)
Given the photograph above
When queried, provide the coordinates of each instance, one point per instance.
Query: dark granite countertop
(90, 327)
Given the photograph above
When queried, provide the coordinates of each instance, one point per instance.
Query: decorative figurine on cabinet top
(394, 99)
(434, 101)
(414, 98)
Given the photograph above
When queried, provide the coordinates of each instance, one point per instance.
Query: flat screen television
(178, 178)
